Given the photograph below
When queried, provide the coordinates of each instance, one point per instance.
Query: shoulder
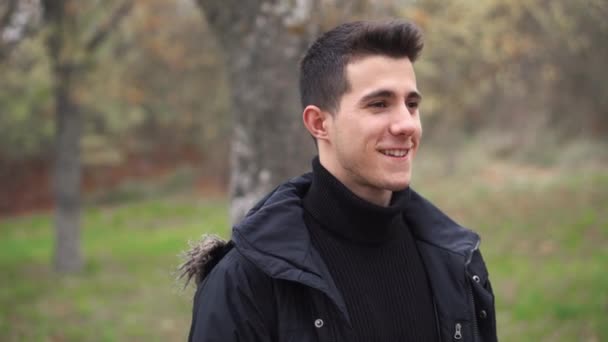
(234, 271)
(431, 225)
(235, 299)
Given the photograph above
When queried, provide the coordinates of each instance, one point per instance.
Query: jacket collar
(273, 236)
(429, 224)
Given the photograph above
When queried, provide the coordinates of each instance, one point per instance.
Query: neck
(346, 214)
(380, 197)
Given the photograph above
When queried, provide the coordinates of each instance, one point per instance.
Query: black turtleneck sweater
(372, 257)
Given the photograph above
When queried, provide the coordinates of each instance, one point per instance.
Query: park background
(130, 127)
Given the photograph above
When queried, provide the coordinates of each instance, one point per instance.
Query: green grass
(545, 240)
(127, 291)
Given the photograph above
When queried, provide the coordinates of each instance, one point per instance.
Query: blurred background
(130, 127)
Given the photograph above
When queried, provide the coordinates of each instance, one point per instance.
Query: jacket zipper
(437, 325)
(475, 330)
(458, 331)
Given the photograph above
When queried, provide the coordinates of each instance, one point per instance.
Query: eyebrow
(388, 93)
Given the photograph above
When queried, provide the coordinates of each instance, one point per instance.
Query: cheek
(419, 129)
(357, 132)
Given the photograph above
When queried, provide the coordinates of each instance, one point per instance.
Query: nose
(403, 122)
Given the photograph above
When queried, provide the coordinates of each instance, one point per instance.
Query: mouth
(396, 152)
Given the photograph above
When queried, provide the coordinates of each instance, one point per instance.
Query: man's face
(374, 136)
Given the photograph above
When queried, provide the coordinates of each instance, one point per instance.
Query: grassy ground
(545, 238)
(128, 290)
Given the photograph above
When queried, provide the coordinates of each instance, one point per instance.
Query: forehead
(372, 72)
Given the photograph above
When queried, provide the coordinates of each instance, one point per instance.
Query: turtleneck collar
(348, 216)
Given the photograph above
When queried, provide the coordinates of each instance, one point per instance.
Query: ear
(316, 121)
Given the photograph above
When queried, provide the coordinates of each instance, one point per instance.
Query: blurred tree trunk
(70, 57)
(263, 42)
(68, 127)
(67, 171)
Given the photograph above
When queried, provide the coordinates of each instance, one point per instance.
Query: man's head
(360, 99)
(323, 78)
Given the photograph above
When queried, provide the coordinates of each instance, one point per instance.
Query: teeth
(395, 153)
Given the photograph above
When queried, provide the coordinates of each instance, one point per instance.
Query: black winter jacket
(270, 284)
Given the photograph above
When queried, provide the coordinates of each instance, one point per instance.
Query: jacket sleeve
(233, 303)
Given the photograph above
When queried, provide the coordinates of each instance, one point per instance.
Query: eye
(413, 104)
(378, 104)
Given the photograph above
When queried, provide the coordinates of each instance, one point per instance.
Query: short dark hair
(323, 69)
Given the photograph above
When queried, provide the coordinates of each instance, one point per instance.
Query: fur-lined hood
(202, 257)
(273, 228)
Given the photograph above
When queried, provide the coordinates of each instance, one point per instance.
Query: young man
(349, 252)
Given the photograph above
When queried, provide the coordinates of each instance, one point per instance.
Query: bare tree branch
(104, 29)
(5, 20)
(18, 20)
(53, 10)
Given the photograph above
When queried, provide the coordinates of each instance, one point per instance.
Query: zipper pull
(458, 332)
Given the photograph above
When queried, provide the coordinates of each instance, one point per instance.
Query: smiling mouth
(396, 153)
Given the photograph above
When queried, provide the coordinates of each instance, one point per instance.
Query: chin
(398, 184)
